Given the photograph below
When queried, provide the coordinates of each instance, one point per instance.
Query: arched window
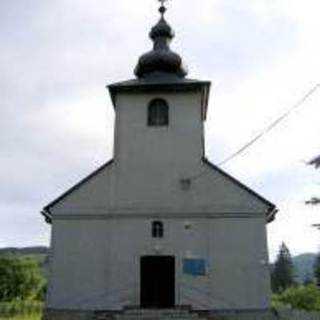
(158, 113)
(157, 229)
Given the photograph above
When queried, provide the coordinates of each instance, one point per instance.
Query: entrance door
(157, 276)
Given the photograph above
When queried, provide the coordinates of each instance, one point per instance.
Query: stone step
(156, 316)
(137, 317)
(157, 313)
(148, 314)
(177, 309)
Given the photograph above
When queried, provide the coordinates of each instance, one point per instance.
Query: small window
(157, 229)
(158, 113)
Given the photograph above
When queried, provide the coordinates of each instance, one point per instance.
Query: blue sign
(194, 267)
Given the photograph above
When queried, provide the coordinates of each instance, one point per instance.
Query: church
(159, 226)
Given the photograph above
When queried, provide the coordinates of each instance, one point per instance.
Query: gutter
(271, 214)
(47, 215)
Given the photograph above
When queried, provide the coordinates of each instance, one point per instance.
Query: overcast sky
(57, 120)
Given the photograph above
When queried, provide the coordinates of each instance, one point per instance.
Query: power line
(272, 125)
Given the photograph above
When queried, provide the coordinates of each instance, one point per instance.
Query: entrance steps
(149, 314)
(182, 314)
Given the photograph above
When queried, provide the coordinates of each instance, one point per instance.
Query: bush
(15, 308)
(302, 297)
(20, 279)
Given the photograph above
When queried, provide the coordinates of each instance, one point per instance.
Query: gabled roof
(270, 214)
(272, 208)
(46, 210)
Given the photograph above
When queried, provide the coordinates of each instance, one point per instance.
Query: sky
(56, 57)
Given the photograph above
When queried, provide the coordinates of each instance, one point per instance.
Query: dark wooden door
(157, 276)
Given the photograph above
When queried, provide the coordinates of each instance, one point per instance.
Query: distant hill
(25, 251)
(41, 254)
(303, 265)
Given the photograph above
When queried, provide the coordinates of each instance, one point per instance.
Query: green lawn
(21, 310)
(25, 317)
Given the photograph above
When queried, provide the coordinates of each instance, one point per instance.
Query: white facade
(102, 227)
(98, 267)
(213, 251)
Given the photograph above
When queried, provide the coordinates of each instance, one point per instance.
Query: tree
(317, 270)
(316, 163)
(20, 278)
(308, 279)
(283, 272)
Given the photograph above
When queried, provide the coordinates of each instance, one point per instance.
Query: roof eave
(145, 86)
(46, 210)
(272, 209)
(271, 214)
(47, 216)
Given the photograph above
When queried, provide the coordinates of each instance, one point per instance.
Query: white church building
(159, 226)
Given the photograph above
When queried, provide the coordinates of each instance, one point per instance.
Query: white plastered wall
(97, 262)
(102, 228)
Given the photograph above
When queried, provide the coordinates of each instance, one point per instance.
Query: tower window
(158, 113)
(157, 229)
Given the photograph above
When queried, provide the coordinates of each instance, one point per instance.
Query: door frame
(172, 260)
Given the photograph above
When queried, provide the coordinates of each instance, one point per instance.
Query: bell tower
(160, 114)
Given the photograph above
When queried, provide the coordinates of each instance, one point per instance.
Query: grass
(35, 316)
(21, 310)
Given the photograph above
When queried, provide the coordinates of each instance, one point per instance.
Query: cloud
(57, 119)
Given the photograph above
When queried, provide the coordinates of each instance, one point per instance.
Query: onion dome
(160, 60)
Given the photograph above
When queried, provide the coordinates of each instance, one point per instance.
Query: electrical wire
(272, 125)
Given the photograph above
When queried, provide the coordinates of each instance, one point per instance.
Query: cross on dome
(162, 9)
(162, 2)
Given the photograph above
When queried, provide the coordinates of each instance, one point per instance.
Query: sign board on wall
(194, 267)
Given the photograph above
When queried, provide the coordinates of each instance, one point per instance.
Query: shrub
(20, 279)
(302, 297)
(22, 308)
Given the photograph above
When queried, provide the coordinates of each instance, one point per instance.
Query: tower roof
(161, 69)
(161, 60)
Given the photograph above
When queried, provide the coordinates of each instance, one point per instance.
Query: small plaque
(194, 267)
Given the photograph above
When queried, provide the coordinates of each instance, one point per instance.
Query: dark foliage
(313, 201)
(282, 276)
(20, 279)
(315, 162)
(317, 270)
(301, 298)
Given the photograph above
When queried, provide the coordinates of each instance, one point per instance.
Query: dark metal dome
(160, 60)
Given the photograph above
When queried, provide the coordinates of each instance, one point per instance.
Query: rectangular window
(158, 113)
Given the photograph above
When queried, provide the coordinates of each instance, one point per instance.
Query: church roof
(168, 83)
(270, 213)
(161, 59)
(46, 210)
(272, 208)
(161, 68)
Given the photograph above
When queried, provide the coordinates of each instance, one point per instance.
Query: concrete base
(173, 314)
(50, 314)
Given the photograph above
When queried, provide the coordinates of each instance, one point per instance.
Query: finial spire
(162, 9)
(161, 60)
